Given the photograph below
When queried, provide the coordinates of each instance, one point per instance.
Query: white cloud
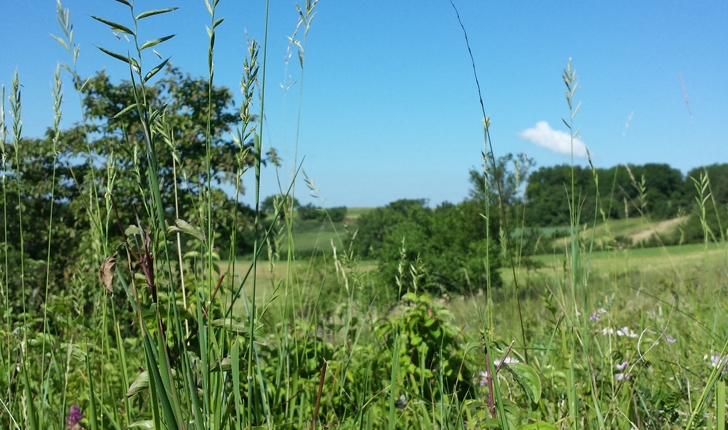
(555, 140)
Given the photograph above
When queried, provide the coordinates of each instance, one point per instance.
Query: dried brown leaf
(106, 272)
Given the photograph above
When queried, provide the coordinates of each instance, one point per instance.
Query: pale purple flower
(74, 416)
(717, 360)
(670, 339)
(597, 315)
(621, 366)
(483, 378)
(621, 376)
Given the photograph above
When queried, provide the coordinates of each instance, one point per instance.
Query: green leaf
(155, 12)
(146, 424)
(223, 365)
(218, 22)
(161, 391)
(124, 111)
(528, 379)
(155, 70)
(190, 229)
(231, 324)
(115, 26)
(155, 42)
(32, 414)
(157, 112)
(140, 383)
(539, 425)
(127, 59)
(124, 2)
(132, 230)
(513, 413)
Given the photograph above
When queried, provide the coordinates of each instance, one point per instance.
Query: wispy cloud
(557, 141)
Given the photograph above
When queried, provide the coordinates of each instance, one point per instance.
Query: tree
(445, 248)
(183, 169)
(271, 204)
(504, 178)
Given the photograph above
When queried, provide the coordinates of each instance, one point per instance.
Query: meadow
(136, 294)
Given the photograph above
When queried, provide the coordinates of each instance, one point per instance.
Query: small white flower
(625, 331)
(607, 331)
(621, 366)
(508, 360)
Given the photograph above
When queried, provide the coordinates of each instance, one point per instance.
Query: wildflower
(507, 360)
(625, 331)
(74, 416)
(717, 360)
(622, 376)
(670, 339)
(607, 331)
(597, 315)
(483, 378)
(621, 366)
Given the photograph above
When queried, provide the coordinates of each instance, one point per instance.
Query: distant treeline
(657, 190)
(309, 211)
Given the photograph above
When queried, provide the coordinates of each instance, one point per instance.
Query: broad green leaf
(115, 26)
(528, 379)
(539, 425)
(155, 42)
(190, 229)
(132, 230)
(192, 254)
(155, 70)
(155, 12)
(140, 383)
(513, 413)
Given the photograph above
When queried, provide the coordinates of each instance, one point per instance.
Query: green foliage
(272, 203)
(447, 245)
(170, 337)
(309, 212)
(618, 191)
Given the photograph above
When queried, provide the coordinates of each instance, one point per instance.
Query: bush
(440, 250)
(309, 211)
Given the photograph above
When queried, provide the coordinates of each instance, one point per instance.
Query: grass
(178, 337)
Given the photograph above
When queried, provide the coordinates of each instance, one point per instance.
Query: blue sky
(389, 107)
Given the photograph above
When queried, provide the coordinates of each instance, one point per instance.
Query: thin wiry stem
(501, 206)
